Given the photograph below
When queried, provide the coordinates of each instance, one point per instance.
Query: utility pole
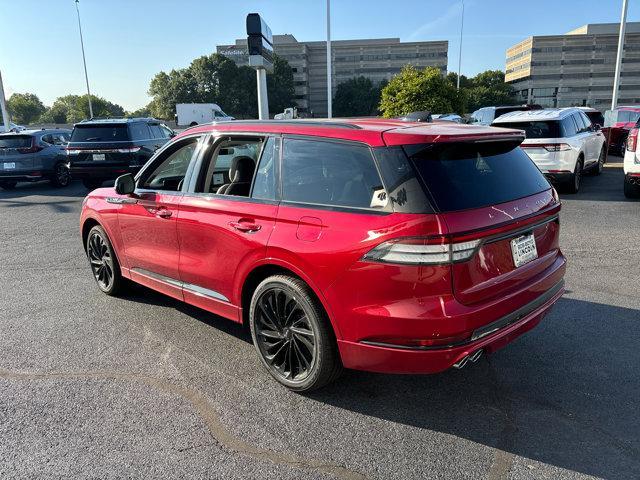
(3, 105)
(329, 89)
(616, 78)
(460, 50)
(84, 61)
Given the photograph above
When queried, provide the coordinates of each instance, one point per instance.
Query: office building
(377, 59)
(577, 68)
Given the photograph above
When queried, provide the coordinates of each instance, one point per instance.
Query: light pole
(329, 89)
(460, 50)
(84, 61)
(616, 78)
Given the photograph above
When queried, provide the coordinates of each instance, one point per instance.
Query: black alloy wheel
(103, 261)
(292, 334)
(61, 175)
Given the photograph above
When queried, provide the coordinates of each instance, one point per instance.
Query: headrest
(241, 169)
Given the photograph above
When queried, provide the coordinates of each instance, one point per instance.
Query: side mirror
(597, 127)
(125, 184)
(172, 134)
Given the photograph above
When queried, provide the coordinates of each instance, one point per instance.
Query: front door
(226, 220)
(148, 219)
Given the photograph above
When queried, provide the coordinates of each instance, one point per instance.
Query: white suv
(632, 165)
(562, 142)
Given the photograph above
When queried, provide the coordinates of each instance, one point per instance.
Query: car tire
(292, 334)
(61, 175)
(103, 262)
(92, 184)
(8, 185)
(599, 166)
(575, 179)
(193, 124)
(631, 191)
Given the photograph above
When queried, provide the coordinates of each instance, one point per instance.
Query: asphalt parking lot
(144, 386)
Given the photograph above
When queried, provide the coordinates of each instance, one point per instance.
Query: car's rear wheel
(8, 185)
(292, 334)
(599, 167)
(575, 179)
(92, 184)
(61, 175)
(193, 124)
(631, 190)
(103, 261)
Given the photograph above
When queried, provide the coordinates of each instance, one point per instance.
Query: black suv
(103, 149)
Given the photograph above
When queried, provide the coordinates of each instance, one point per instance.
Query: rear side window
(139, 131)
(537, 129)
(331, 173)
(569, 127)
(15, 141)
(461, 176)
(99, 133)
(156, 131)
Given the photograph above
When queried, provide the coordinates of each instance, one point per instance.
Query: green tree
(74, 108)
(217, 79)
(356, 97)
(413, 90)
(141, 112)
(25, 108)
(485, 89)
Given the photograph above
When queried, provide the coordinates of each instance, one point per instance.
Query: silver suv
(32, 155)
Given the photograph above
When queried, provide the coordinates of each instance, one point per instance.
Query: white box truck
(190, 114)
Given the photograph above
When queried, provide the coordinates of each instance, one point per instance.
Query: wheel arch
(274, 267)
(87, 225)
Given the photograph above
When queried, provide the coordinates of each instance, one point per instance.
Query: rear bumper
(497, 334)
(24, 175)
(104, 172)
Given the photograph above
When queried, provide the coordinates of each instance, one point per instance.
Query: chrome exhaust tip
(472, 357)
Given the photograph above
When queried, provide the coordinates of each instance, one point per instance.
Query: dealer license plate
(524, 249)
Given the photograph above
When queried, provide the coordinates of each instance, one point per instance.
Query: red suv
(377, 245)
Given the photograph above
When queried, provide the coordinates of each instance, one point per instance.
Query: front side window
(330, 173)
(169, 173)
(230, 166)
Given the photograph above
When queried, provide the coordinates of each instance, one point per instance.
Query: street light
(460, 50)
(84, 61)
(616, 78)
(329, 90)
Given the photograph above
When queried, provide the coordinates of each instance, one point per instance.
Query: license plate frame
(9, 166)
(523, 249)
(99, 157)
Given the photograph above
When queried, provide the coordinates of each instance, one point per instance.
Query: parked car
(16, 128)
(596, 116)
(364, 244)
(617, 124)
(562, 142)
(632, 164)
(486, 115)
(422, 116)
(192, 114)
(450, 117)
(103, 149)
(33, 155)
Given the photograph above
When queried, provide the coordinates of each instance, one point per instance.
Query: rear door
(222, 236)
(148, 218)
(492, 196)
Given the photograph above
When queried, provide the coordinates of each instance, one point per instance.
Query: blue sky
(128, 41)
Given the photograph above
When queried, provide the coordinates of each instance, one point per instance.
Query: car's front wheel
(292, 334)
(8, 185)
(61, 175)
(103, 261)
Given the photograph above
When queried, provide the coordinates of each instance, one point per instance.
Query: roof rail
(295, 122)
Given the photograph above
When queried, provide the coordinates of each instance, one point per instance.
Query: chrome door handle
(164, 213)
(245, 227)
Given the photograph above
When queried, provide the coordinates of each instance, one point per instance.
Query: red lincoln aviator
(370, 244)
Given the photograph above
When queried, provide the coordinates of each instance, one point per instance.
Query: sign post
(260, 46)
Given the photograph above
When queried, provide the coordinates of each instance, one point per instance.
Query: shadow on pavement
(605, 187)
(27, 194)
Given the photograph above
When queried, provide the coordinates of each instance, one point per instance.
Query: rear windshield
(15, 141)
(620, 116)
(99, 133)
(460, 176)
(541, 129)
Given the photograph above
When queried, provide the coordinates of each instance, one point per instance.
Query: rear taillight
(632, 140)
(34, 148)
(422, 251)
(549, 147)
